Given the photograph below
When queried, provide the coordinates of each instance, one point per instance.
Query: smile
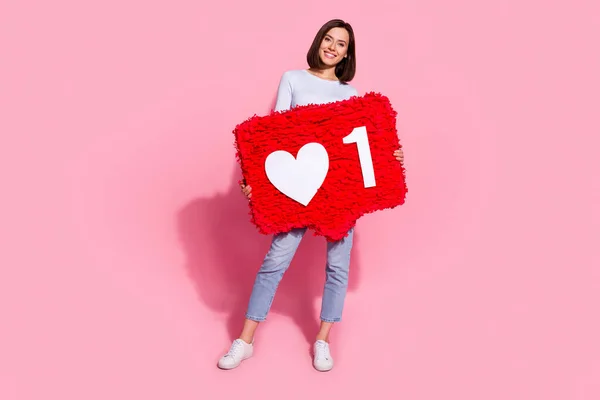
(329, 55)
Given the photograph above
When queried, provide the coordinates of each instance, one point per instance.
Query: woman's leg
(336, 282)
(276, 262)
(248, 330)
(324, 330)
(334, 294)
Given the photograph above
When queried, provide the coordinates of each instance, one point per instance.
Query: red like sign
(321, 166)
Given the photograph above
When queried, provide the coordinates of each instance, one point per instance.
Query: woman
(332, 62)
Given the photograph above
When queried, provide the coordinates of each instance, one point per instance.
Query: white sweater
(300, 87)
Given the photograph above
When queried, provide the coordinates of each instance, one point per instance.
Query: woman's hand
(399, 154)
(247, 190)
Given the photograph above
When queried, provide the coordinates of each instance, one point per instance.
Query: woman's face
(334, 46)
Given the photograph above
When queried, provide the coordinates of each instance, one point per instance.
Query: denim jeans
(278, 259)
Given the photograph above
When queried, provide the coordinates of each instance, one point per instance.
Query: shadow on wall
(224, 250)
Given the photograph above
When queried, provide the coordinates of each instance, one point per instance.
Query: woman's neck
(327, 73)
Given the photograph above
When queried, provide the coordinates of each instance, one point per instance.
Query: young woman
(332, 62)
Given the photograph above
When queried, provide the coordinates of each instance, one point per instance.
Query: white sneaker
(238, 352)
(322, 360)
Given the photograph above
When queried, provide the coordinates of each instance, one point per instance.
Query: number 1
(359, 136)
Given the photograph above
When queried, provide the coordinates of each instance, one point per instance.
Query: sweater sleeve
(284, 94)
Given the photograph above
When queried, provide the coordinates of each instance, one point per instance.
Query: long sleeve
(284, 94)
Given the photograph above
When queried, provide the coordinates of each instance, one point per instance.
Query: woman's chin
(329, 62)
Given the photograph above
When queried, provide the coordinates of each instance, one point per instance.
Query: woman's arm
(284, 93)
(284, 102)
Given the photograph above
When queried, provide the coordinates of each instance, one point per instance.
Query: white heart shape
(298, 178)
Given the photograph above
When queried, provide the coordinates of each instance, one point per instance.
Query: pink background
(127, 256)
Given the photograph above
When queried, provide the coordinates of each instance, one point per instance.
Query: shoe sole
(225, 368)
(323, 369)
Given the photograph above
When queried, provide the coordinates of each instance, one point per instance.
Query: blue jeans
(277, 261)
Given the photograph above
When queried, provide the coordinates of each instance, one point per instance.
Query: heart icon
(298, 178)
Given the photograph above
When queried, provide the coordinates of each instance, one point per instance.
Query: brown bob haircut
(346, 68)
